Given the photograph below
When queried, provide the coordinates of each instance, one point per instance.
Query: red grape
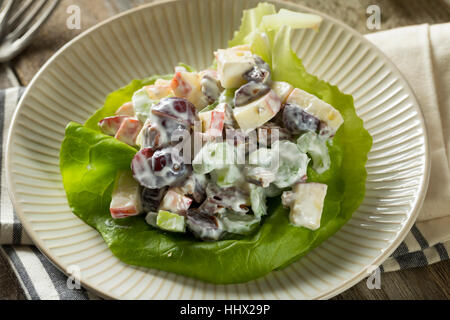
(160, 168)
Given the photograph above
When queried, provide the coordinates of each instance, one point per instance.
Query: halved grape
(232, 198)
(194, 186)
(211, 87)
(158, 132)
(271, 132)
(250, 92)
(160, 168)
(297, 120)
(260, 72)
(168, 119)
(261, 63)
(204, 226)
(151, 198)
(178, 109)
(211, 207)
(233, 136)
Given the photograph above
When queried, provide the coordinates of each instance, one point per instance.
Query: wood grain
(427, 283)
(55, 34)
(430, 282)
(9, 286)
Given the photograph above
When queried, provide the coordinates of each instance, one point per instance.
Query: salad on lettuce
(223, 174)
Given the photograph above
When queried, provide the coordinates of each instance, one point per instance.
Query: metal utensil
(19, 23)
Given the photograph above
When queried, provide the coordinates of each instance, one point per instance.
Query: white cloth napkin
(423, 55)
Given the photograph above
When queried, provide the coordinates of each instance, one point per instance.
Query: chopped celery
(214, 156)
(292, 19)
(258, 201)
(292, 163)
(142, 104)
(239, 223)
(316, 147)
(170, 221)
(228, 176)
(187, 67)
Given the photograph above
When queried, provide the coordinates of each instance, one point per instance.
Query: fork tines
(21, 19)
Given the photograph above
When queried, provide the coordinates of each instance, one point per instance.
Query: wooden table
(430, 282)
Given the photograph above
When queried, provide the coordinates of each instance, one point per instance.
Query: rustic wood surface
(430, 282)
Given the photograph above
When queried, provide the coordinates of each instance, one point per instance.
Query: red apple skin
(160, 89)
(217, 121)
(128, 131)
(180, 87)
(124, 212)
(126, 196)
(126, 110)
(175, 202)
(111, 125)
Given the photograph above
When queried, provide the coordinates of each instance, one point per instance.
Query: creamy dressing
(272, 131)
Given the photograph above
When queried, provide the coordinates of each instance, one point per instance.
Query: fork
(19, 22)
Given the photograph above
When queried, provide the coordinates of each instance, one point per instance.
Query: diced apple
(162, 83)
(128, 131)
(213, 121)
(282, 89)
(232, 64)
(188, 85)
(258, 112)
(160, 89)
(111, 125)
(126, 196)
(175, 202)
(306, 204)
(126, 110)
(210, 73)
(225, 107)
(316, 107)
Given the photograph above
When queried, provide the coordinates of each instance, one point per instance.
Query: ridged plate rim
(401, 234)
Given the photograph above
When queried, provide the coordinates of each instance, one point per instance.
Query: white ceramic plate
(154, 38)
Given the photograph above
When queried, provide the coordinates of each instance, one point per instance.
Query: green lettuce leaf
(116, 99)
(251, 21)
(187, 67)
(90, 160)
